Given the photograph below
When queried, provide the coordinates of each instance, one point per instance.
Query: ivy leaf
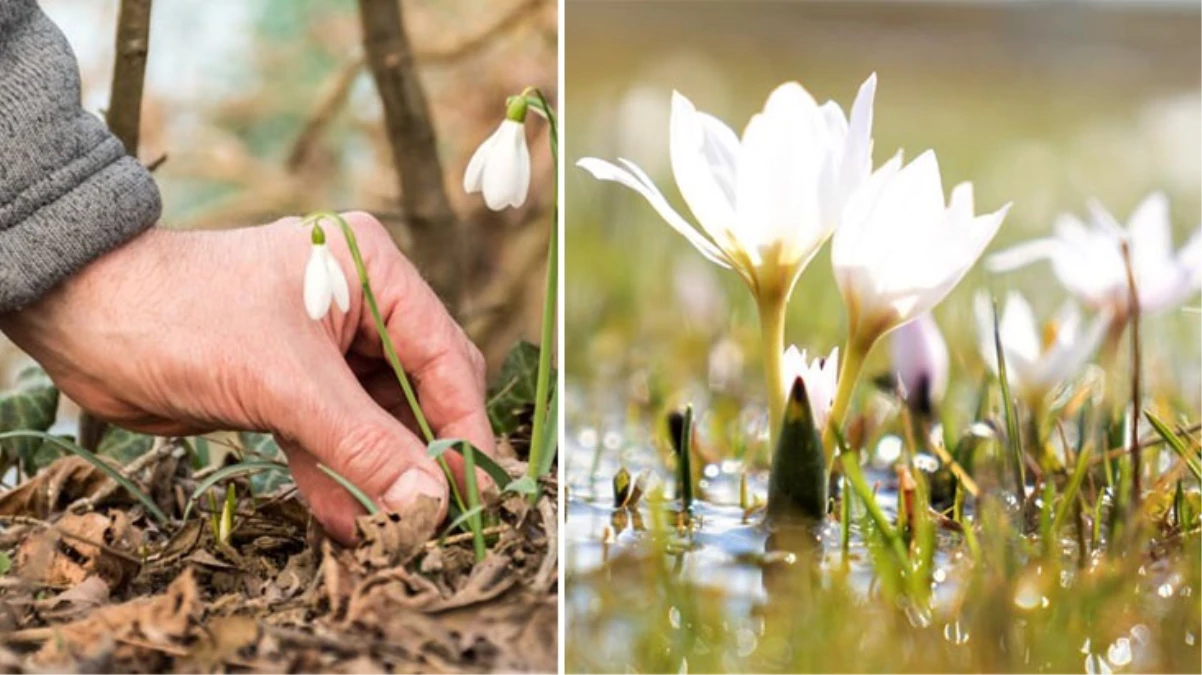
(515, 387)
(123, 445)
(30, 406)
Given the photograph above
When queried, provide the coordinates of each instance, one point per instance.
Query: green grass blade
(1174, 441)
(1069, 497)
(1012, 433)
(225, 472)
(473, 500)
(104, 467)
(350, 487)
(546, 455)
(460, 522)
(489, 465)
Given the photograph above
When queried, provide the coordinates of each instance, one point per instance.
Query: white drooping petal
(900, 249)
(473, 176)
(920, 357)
(337, 281)
(634, 178)
(317, 289)
(506, 179)
(820, 377)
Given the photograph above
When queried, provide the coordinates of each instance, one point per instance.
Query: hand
(179, 333)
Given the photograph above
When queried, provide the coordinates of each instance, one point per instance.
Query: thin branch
(436, 237)
(467, 44)
(337, 91)
(133, 44)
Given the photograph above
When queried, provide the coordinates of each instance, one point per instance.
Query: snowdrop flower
(920, 361)
(898, 252)
(1088, 260)
(819, 377)
(324, 280)
(1036, 361)
(500, 167)
(766, 203)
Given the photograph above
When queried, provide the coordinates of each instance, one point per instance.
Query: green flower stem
(386, 340)
(772, 335)
(852, 362)
(550, 302)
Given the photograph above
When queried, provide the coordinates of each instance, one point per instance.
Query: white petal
(703, 153)
(920, 354)
(1018, 331)
(857, 152)
(317, 284)
(1067, 357)
(1022, 255)
(502, 184)
(337, 281)
(635, 179)
(780, 163)
(1149, 229)
(473, 176)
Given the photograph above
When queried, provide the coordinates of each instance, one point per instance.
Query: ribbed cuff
(106, 209)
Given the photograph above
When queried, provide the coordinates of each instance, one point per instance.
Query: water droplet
(1141, 634)
(711, 471)
(1165, 591)
(745, 641)
(1085, 647)
(955, 633)
(674, 617)
(1119, 653)
(587, 438)
(612, 440)
(940, 575)
(684, 666)
(1027, 595)
(1186, 591)
(888, 449)
(926, 463)
(1189, 638)
(919, 617)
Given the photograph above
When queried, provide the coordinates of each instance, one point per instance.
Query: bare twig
(482, 36)
(133, 44)
(336, 93)
(1133, 318)
(435, 231)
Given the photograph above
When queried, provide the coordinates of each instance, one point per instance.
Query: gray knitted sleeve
(68, 191)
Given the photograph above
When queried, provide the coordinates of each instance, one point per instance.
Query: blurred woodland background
(258, 109)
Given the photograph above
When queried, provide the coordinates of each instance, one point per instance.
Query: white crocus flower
(1037, 361)
(920, 360)
(901, 249)
(898, 252)
(500, 168)
(324, 280)
(765, 204)
(1088, 260)
(819, 376)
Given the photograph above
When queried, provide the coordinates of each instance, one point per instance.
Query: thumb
(332, 421)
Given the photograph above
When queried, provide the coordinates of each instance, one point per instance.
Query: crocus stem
(772, 335)
(550, 301)
(369, 299)
(852, 363)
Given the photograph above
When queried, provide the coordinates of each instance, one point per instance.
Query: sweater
(68, 191)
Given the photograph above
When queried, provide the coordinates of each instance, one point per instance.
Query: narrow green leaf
(99, 463)
(350, 487)
(248, 467)
(522, 486)
(439, 447)
(1070, 492)
(1012, 434)
(1174, 441)
(460, 522)
(473, 501)
(546, 456)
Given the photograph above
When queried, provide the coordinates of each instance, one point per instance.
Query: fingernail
(412, 486)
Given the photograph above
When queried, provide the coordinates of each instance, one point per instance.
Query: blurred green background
(1045, 104)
